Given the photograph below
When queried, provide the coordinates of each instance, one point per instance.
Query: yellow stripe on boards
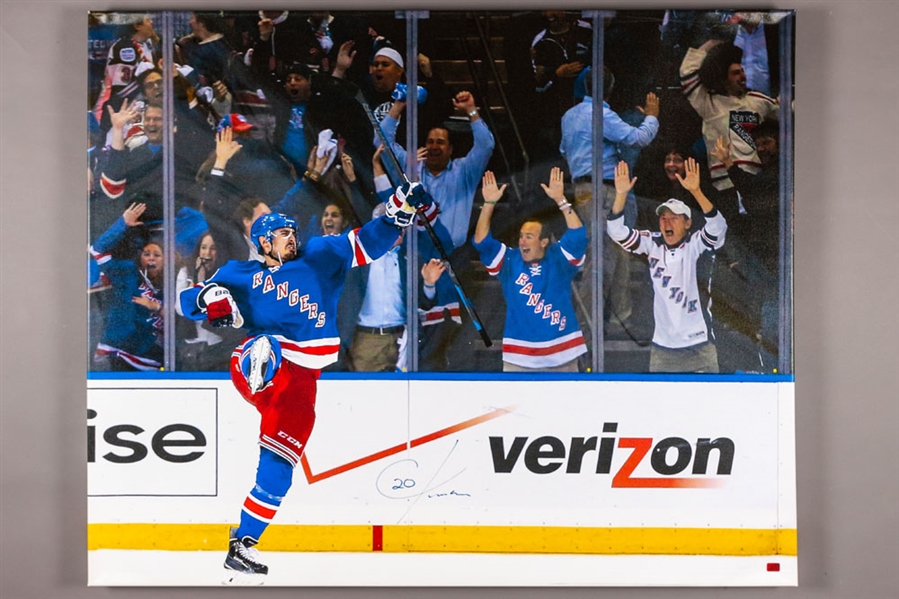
(610, 541)
(455, 539)
(214, 537)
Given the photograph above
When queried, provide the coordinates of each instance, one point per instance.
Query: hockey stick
(463, 297)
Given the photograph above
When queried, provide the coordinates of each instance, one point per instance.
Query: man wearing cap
(387, 69)
(680, 340)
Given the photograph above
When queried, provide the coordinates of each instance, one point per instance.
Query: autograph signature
(453, 492)
(400, 480)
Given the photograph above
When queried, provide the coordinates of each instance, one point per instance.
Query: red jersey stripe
(542, 351)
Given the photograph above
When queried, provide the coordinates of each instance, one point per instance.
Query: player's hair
(714, 69)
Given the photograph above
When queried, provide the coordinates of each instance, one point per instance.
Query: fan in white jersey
(680, 340)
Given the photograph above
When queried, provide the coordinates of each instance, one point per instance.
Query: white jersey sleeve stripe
(497, 263)
(571, 258)
(360, 256)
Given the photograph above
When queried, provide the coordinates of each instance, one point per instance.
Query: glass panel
(716, 74)
(232, 75)
(126, 275)
(531, 315)
(292, 94)
(504, 92)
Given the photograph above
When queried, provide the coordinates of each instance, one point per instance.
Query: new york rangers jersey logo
(283, 291)
(539, 305)
(742, 122)
(541, 329)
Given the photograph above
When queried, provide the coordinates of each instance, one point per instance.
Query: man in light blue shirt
(452, 182)
(577, 139)
(577, 148)
(382, 319)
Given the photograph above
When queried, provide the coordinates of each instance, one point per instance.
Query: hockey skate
(259, 357)
(259, 361)
(242, 565)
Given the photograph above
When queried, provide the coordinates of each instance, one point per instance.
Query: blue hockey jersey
(541, 329)
(132, 332)
(297, 302)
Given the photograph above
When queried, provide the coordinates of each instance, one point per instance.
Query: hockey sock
(273, 478)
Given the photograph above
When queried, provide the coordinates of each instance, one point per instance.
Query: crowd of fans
(273, 113)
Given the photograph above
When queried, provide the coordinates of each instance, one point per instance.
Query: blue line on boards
(467, 376)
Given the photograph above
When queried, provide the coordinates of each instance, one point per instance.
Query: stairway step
(453, 71)
(451, 47)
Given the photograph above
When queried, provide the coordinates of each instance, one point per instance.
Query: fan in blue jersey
(541, 330)
(288, 304)
(132, 336)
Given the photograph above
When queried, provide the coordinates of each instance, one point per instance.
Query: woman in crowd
(201, 264)
(132, 336)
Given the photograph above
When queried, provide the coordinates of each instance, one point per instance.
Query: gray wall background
(846, 333)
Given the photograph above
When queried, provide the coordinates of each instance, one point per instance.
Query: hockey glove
(430, 213)
(220, 308)
(399, 211)
(401, 92)
(414, 195)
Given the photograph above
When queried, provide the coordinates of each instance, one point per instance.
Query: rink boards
(551, 466)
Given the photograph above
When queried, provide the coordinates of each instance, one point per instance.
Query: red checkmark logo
(314, 478)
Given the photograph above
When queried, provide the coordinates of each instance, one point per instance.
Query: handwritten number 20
(401, 483)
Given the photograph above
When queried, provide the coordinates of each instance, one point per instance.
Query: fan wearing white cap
(386, 68)
(386, 72)
(680, 341)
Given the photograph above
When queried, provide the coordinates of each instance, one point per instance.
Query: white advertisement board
(146, 441)
(461, 467)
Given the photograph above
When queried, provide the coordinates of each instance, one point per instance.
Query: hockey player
(680, 341)
(541, 330)
(288, 303)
